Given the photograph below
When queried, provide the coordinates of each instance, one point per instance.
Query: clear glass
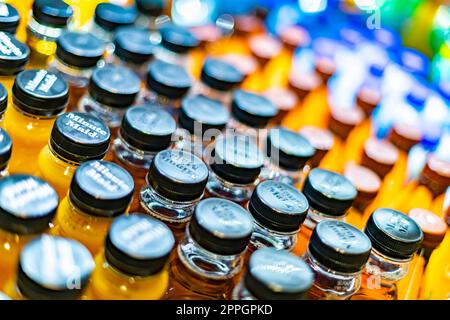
(4, 172)
(201, 88)
(139, 69)
(110, 115)
(263, 237)
(329, 284)
(168, 56)
(106, 36)
(151, 97)
(271, 171)
(200, 274)
(192, 143)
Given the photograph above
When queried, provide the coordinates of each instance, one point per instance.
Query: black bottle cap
(236, 159)
(277, 275)
(9, 18)
(40, 93)
(178, 175)
(110, 16)
(393, 233)
(221, 226)
(148, 128)
(101, 188)
(27, 204)
(52, 12)
(54, 268)
(133, 44)
(200, 110)
(252, 109)
(153, 8)
(329, 192)
(138, 245)
(339, 246)
(3, 98)
(114, 86)
(79, 49)
(168, 79)
(5, 148)
(14, 54)
(288, 149)
(177, 38)
(220, 75)
(278, 206)
(79, 137)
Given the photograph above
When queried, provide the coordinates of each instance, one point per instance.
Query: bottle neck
(263, 237)
(314, 217)
(386, 269)
(44, 31)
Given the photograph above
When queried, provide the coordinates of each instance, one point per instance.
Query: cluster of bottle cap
(120, 178)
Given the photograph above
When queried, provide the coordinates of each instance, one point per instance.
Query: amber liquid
(75, 94)
(383, 291)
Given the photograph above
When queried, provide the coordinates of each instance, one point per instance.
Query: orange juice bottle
(434, 229)
(75, 138)
(51, 268)
(23, 8)
(303, 83)
(134, 262)
(27, 205)
(321, 139)
(99, 191)
(13, 59)
(38, 96)
(5, 152)
(284, 99)
(379, 155)
(207, 35)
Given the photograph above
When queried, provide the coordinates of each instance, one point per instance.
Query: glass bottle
(287, 153)
(379, 155)
(210, 255)
(5, 152)
(245, 63)
(3, 102)
(174, 186)
(148, 11)
(48, 21)
(369, 94)
(10, 18)
(278, 211)
(27, 206)
(76, 138)
(38, 96)
(337, 253)
(274, 275)
(51, 268)
(321, 139)
(77, 54)
(107, 97)
(13, 58)
(264, 47)
(284, 99)
(134, 262)
(329, 195)
(201, 120)
(234, 167)
(99, 191)
(395, 239)
(303, 83)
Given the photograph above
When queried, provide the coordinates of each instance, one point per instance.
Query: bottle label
(282, 197)
(9, 47)
(181, 166)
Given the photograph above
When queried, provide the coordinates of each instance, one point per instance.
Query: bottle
(264, 48)
(367, 184)
(107, 98)
(13, 59)
(245, 63)
(5, 152)
(148, 12)
(38, 96)
(77, 54)
(174, 185)
(133, 264)
(337, 253)
(379, 155)
(434, 229)
(278, 211)
(201, 120)
(27, 206)
(329, 195)
(250, 112)
(284, 99)
(369, 94)
(166, 85)
(3, 102)
(51, 268)
(99, 191)
(217, 79)
(48, 21)
(321, 139)
(75, 138)
(133, 49)
(9, 20)
(303, 83)
(210, 255)
(287, 153)
(234, 167)
(274, 275)
(395, 239)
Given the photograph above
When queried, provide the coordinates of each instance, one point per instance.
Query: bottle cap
(264, 47)
(303, 83)
(393, 233)
(220, 75)
(138, 245)
(3, 99)
(40, 93)
(325, 68)
(244, 25)
(178, 175)
(207, 34)
(321, 139)
(79, 49)
(54, 13)
(110, 16)
(252, 109)
(148, 128)
(167, 79)
(9, 18)
(27, 204)
(153, 8)
(54, 268)
(5, 148)
(221, 226)
(133, 44)
(343, 120)
(368, 99)
(284, 99)
(339, 246)
(246, 64)
(79, 137)
(278, 206)
(436, 175)
(329, 192)
(433, 227)
(14, 54)
(277, 275)
(367, 184)
(405, 136)
(379, 155)
(177, 38)
(107, 86)
(295, 36)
